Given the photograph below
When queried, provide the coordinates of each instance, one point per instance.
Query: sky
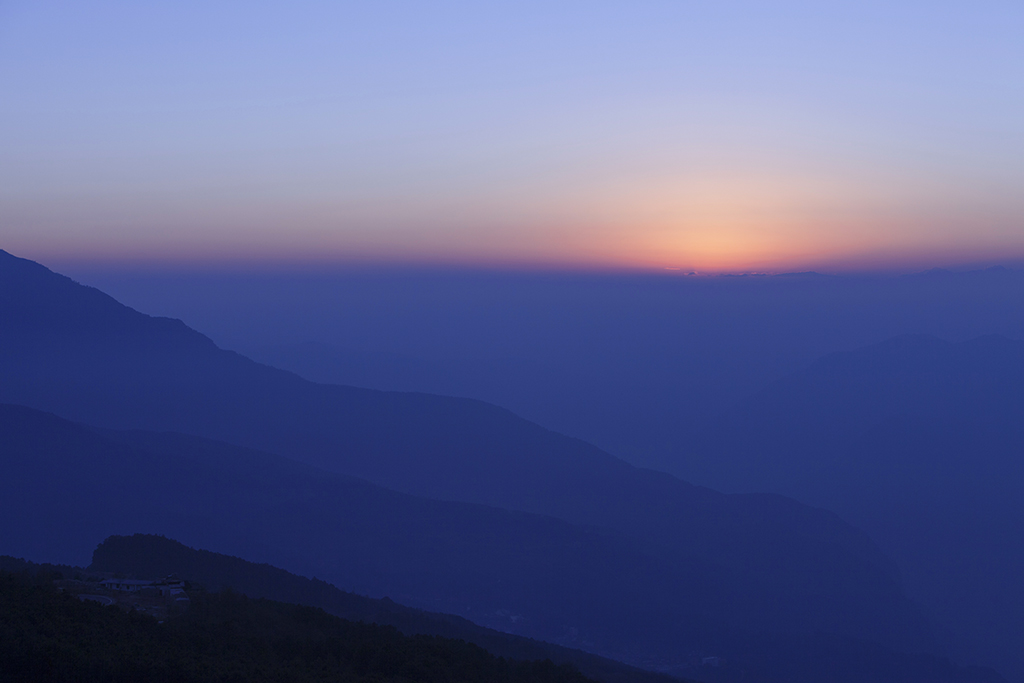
(695, 136)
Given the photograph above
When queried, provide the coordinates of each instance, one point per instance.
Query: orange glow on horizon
(707, 252)
(726, 222)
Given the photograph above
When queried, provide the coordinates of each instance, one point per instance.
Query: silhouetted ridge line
(731, 564)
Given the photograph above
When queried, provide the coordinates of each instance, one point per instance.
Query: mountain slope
(144, 556)
(918, 441)
(62, 485)
(148, 556)
(72, 350)
(764, 659)
(50, 637)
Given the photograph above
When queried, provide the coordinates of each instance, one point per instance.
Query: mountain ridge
(442, 449)
(917, 440)
(787, 566)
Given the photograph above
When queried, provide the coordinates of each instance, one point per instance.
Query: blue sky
(726, 135)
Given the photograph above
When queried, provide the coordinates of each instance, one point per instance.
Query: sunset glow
(669, 137)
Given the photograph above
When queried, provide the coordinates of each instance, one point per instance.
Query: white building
(168, 586)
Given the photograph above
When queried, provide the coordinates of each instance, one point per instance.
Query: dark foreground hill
(817, 658)
(766, 660)
(62, 484)
(142, 556)
(920, 442)
(754, 562)
(49, 636)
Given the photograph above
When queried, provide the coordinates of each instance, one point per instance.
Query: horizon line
(241, 265)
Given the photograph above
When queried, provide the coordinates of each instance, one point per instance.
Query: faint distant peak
(977, 272)
(934, 272)
(803, 273)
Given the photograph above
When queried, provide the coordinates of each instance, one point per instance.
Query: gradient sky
(713, 135)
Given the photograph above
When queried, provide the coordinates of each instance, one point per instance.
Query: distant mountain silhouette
(63, 485)
(671, 562)
(918, 441)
